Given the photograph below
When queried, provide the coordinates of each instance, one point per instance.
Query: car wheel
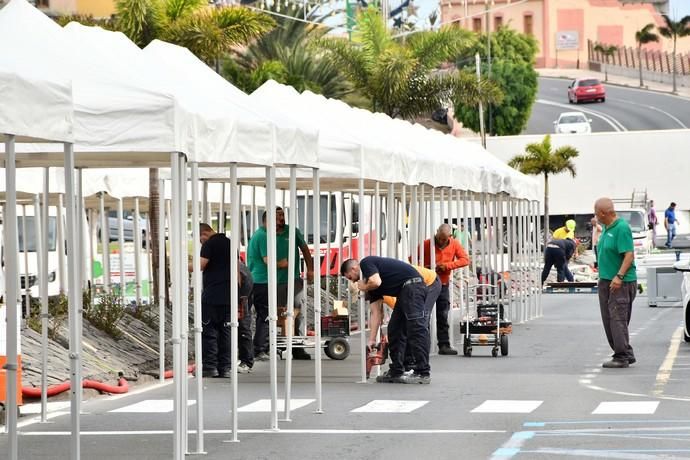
(570, 99)
(603, 99)
(575, 100)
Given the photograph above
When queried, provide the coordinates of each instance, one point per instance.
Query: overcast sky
(680, 8)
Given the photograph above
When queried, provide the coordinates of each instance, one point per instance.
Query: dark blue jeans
(408, 328)
(556, 257)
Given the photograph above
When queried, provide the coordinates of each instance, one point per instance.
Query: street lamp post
(478, 62)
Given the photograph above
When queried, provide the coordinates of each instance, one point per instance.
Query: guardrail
(627, 57)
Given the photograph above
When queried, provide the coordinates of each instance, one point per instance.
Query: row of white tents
(81, 97)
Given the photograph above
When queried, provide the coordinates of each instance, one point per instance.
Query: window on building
(529, 24)
(498, 22)
(477, 25)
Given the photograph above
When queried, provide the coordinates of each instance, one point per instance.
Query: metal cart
(335, 331)
(484, 323)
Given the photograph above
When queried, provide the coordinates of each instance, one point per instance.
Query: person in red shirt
(449, 256)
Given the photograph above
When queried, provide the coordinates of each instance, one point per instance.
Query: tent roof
(31, 79)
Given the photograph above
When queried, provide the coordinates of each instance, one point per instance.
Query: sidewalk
(613, 80)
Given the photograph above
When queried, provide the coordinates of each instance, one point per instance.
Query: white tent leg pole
(25, 254)
(81, 237)
(329, 197)
(362, 313)
(341, 240)
(221, 214)
(255, 211)
(11, 298)
(137, 253)
(433, 331)
(272, 295)
(391, 231)
(305, 289)
(317, 285)
(421, 224)
(121, 243)
(234, 292)
(535, 251)
(43, 277)
(413, 225)
(105, 239)
(403, 223)
(74, 304)
(501, 268)
(149, 258)
(290, 321)
(161, 283)
(178, 376)
(521, 259)
(93, 239)
(204, 203)
(62, 276)
(196, 276)
(184, 303)
(510, 230)
(452, 215)
(537, 257)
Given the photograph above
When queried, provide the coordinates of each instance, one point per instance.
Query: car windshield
(590, 82)
(566, 119)
(634, 218)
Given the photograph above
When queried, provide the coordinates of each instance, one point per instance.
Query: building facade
(563, 27)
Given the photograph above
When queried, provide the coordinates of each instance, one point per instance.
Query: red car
(586, 89)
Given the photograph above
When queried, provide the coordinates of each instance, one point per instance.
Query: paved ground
(626, 107)
(549, 399)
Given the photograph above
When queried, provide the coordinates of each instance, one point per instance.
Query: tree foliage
(540, 158)
(512, 69)
(400, 77)
(285, 54)
(674, 30)
(642, 37)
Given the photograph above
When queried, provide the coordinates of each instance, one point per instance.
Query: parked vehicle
(586, 89)
(128, 227)
(572, 123)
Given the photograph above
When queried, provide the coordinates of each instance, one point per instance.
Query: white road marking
(390, 406)
(264, 405)
(264, 431)
(35, 408)
(615, 124)
(150, 406)
(664, 373)
(626, 407)
(507, 406)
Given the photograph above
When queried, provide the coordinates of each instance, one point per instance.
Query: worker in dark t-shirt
(383, 276)
(215, 307)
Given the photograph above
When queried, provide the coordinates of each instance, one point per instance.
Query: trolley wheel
(338, 348)
(327, 350)
(504, 345)
(467, 347)
(494, 352)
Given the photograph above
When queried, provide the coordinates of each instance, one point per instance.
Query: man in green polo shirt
(617, 281)
(257, 260)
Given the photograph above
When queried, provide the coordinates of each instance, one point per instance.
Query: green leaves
(675, 29)
(540, 158)
(141, 20)
(645, 35)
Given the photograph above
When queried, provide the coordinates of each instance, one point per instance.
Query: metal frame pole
(403, 223)
(121, 242)
(105, 241)
(340, 231)
(362, 313)
(183, 284)
(137, 253)
(329, 197)
(421, 225)
(290, 321)
(413, 226)
(433, 333)
(537, 258)
(74, 296)
(391, 231)
(43, 279)
(198, 328)
(272, 294)
(317, 284)
(161, 282)
(178, 377)
(61, 244)
(235, 232)
(221, 215)
(25, 252)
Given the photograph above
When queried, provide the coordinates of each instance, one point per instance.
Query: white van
(637, 219)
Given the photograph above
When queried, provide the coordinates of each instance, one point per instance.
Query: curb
(623, 85)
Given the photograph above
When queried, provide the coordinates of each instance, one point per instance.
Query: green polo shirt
(614, 242)
(258, 249)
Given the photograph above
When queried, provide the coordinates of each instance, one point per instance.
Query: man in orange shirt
(449, 256)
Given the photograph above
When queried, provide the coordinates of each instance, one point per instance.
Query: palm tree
(401, 78)
(540, 158)
(285, 55)
(607, 51)
(208, 32)
(642, 37)
(675, 30)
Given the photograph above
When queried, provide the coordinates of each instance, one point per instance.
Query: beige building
(96, 8)
(563, 27)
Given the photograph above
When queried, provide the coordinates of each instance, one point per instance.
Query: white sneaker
(243, 368)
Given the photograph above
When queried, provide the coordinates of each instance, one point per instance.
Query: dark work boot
(615, 364)
(446, 350)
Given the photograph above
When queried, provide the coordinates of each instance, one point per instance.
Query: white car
(685, 292)
(572, 123)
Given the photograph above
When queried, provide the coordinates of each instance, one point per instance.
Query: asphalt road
(624, 109)
(549, 398)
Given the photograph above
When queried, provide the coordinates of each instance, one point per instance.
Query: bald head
(443, 234)
(604, 210)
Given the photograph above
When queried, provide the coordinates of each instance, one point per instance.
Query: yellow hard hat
(570, 224)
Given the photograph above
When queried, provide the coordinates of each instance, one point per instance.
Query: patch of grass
(105, 314)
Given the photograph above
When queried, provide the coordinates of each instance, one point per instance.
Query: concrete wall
(682, 81)
(613, 164)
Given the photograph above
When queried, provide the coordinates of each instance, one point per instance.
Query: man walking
(670, 222)
(383, 276)
(556, 254)
(449, 256)
(257, 259)
(617, 282)
(653, 221)
(215, 307)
